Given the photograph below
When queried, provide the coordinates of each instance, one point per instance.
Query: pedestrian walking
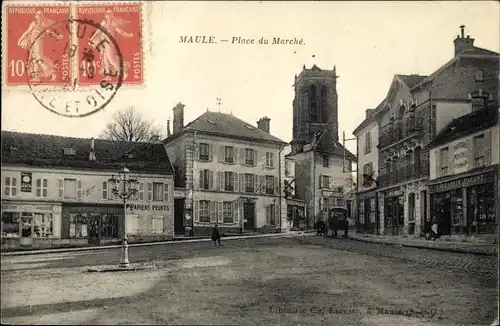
(216, 235)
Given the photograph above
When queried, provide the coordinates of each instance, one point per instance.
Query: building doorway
(249, 216)
(179, 216)
(26, 229)
(94, 227)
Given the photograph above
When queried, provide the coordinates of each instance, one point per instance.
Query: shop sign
(26, 181)
(460, 158)
(463, 182)
(146, 207)
(27, 208)
(94, 209)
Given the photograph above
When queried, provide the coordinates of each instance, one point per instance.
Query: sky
(368, 42)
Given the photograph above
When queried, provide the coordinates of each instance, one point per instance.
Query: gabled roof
(48, 151)
(474, 51)
(226, 125)
(410, 80)
(465, 125)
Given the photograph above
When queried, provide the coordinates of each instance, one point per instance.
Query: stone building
(228, 172)
(56, 191)
(322, 165)
(414, 111)
(463, 178)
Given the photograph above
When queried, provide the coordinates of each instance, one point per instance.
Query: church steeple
(315, 108)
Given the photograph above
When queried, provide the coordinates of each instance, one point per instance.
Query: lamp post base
(124, 263)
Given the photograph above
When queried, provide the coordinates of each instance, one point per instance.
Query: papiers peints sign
(147, 207)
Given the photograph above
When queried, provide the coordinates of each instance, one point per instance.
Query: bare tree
(130, 125)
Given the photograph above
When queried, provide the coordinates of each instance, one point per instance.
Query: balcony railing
(398, 132)
(407, 173)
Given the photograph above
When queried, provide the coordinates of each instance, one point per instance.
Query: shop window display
(43, 225)
(10, 224)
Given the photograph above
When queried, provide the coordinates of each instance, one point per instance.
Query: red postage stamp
(37, 45)
(98, 57)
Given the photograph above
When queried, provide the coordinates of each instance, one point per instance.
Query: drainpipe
(279, 186)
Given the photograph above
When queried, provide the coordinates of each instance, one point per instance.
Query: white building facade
(232, 174)
(57, 192)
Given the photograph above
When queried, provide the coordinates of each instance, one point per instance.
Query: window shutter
(195, 150)
(210, 152)
(271, 164)
(487, 148)
(235, 154)
(276, 185)
(243, 156)
(221, 180)
(256, 158)
(78, 189)
(236, 212)
(213, 214)
(165, 192)
(61, 188)
(211, 180)
(196, 211)
(104, 191)
(141, 191)
(449, 159)
(255, 183)
(236, 181)
(242, 182)
(221, 212)
(320, 181)
(268, 214)
(150, 191)
(277, 215)
(222, 153)
(201, 179)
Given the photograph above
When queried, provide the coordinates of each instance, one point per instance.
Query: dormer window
(479, 76)
(69, 151)
(478, 100)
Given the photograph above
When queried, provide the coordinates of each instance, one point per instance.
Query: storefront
(29, 224)
(92, 224)
(464, 205)
(367, 212)
(149, 222)
(394, 212)
(296, 214)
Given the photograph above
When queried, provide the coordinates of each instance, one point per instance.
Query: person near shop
(320, 226)
(216, 235)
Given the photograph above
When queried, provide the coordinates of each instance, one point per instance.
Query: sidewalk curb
(205, 239)
(455, 250)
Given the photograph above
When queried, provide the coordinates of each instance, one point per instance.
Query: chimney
(178, 117)
(463, 43)
(92, 150)
(264, 124)
(369, 112)
(168, 128)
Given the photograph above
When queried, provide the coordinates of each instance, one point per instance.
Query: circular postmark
(68, 99)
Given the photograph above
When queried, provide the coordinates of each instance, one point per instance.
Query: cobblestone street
(300, 279)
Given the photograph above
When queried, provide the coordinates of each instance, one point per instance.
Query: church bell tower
(315, 109)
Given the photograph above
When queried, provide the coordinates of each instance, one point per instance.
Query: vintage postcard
(250, 162)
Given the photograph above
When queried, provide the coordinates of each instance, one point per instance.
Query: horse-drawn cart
(337, 220)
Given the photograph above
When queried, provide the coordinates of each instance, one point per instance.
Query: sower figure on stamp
(110, 63)
(32, 40)
(216, 235)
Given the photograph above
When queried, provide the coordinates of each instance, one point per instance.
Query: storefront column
(464, 212)
(417, 211)
(381, 205)
(406, 211)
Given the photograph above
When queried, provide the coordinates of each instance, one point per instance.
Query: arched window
(313, 103)
(401, 111)
(479, 75)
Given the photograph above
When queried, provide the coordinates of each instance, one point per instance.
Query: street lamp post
(124, 187)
